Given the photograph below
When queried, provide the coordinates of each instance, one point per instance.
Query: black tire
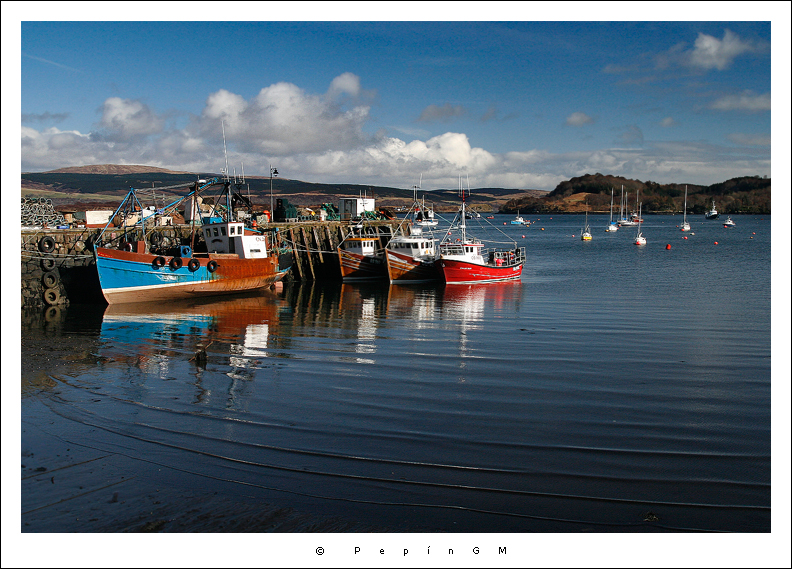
(193, 265)
(52, 296)
(47, 263)
(52, 314)
(158, 262)
(156, 238)
(211, 266)
(176, 263)
(46, 244)
(50, 279)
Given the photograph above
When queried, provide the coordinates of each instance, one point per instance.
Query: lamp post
(273, 172)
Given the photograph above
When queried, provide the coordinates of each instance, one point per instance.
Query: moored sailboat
(640, 239)
(585, 233)
(685, 225)
(612, 225)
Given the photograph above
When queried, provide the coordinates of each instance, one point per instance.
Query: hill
(747, 194)
(90, 187)
(105, 185)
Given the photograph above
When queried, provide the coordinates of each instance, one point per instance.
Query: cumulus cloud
(746, 101)
(668, 122)
(344, 84)
(443, 113)
(313, 137)
(125, 118)
(711, 53)
(283, 119)
(578, 119)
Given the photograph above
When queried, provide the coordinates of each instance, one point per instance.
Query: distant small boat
(518, 220)
(713, 213)
(612, 226)
(624, 220)
(729, 222)
(685, 225)
(422, 216)
(640, 239)
(585, 234)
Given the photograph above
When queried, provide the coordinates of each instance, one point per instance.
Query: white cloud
(344, 84)
(126, 118)
(283, 119)
(746, 101)
(313, 138)
(668, 122)
(711, 53)
(578, 119)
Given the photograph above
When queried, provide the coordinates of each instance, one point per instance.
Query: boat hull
(356, 267)
(408, 269)
(135, 277)
(463, 272)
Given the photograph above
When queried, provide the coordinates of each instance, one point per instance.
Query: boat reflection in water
(157, 338)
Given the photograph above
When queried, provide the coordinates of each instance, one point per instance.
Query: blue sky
(519, 104)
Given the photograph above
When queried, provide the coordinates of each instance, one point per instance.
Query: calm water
(615, 388)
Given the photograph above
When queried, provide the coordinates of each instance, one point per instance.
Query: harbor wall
(58, 266)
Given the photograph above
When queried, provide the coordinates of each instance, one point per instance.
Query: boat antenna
(225, 152)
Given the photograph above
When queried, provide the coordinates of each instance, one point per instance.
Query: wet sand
(67, 487)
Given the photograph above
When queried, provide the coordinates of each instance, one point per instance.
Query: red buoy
(668, 246)
(716, 242)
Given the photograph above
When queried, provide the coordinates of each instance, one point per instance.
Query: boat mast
(462, 225)
(611, 213)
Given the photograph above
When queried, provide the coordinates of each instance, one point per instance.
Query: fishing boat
(361, 255)
(713, 213)
(729, 223)
(612, 225)
(424, 216)
(640, 239)
(465, 260)
(412, 258)
(685, 225)
(221, 257)
(517, 220)
(585, 233)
